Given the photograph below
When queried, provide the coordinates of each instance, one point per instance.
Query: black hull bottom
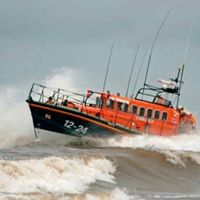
(71, 122)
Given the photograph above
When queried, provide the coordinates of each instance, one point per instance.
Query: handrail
(39, 92)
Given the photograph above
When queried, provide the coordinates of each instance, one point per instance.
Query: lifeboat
(153, 110)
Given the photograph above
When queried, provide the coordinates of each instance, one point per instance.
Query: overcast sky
(38, 36)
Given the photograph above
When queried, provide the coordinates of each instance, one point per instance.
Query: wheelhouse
(140, 115)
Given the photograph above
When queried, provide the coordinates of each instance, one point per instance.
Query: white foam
(54, 174)
(189, 142)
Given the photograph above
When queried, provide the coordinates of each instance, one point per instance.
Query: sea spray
(64, 78)
(15, 119)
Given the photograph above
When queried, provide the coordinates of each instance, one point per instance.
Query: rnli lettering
(78, 128)
(144, 119)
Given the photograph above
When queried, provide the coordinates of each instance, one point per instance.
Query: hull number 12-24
(79, 128)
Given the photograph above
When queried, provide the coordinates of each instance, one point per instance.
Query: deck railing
(40, 93)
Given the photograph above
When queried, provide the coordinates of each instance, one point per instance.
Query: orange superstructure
(142, 116)
(151, 111)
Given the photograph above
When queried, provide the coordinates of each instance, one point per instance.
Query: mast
(153, 44)
(133, 65)
(180, 83)
(108, 66)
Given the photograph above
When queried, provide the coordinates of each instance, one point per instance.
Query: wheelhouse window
(134, 109)
(125, 107)
(110, 103)
(122, 107)
(157, 114)
(149, 113)
(164, 116)
(119, 106)
(142, 111)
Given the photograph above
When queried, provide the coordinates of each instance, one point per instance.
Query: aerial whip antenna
(181, 68)
(139, 71)
(133, 65)
(188, 42)
(153, 44)
(108, 66)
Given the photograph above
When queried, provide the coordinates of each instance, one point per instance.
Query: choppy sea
(143, 167)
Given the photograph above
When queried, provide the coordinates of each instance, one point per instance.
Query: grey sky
(38, 36)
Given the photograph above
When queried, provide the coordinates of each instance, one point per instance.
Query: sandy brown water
(95, 170)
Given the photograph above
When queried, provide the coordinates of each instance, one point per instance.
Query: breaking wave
(180, 150)
(185, 142)
(54, 174)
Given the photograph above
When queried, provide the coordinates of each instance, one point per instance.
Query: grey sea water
(101, 169)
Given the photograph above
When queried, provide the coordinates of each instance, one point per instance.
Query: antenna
(109, 59)
(188, 42)
(153, 44)
(139, 71)
(184, 61)
(129, 81)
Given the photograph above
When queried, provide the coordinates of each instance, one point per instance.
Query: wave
(179, 150)
(54, 174)
(102, 174)
(176, 158)
(184, 142)
(165, 171)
